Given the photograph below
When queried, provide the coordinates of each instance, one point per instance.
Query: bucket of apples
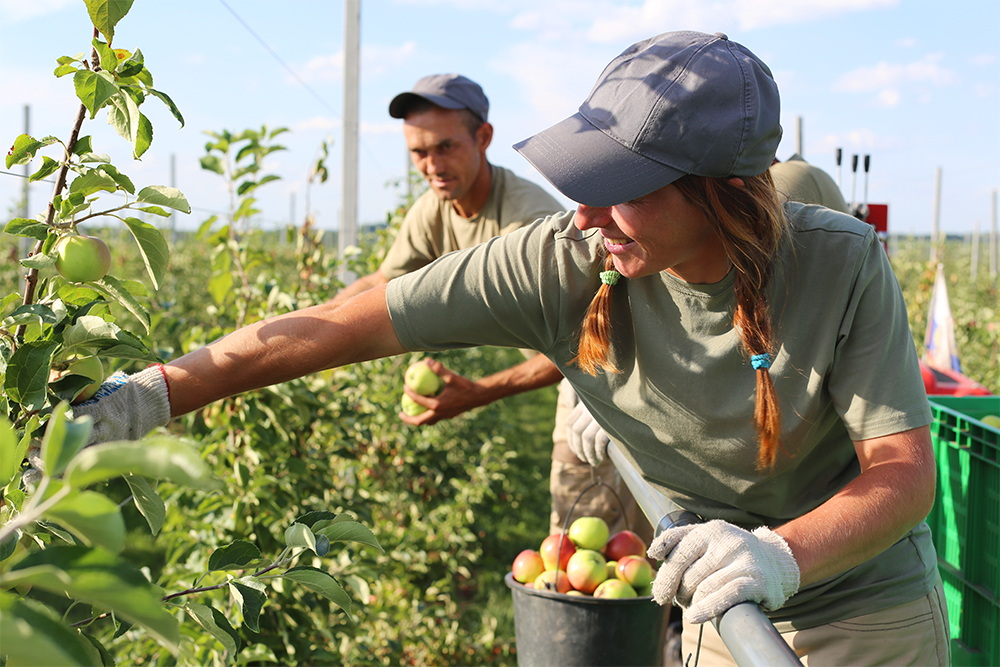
(583, 597)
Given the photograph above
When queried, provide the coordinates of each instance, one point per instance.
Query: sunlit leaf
(320, 582)
(94, 89)
(63, 439)
(170, 105)
(26, 227)
(299, 535)
(161, 195)
(350, 531)
(249, 594)
(105, 15)
(153, 248)
(114, 289)
(159, 457)
(28, 373)
(92, 517)
(49, 166)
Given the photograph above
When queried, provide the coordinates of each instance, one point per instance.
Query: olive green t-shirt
(681, 408)
(432, 228)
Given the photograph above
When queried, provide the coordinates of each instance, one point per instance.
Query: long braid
(595, 335)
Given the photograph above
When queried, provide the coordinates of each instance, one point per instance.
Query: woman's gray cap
(449, 91)
(675, 104)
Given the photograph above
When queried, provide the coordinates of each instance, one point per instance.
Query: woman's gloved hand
(709, 567)
(127, 407)
(584, 436)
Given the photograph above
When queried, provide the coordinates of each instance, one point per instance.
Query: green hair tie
(610, 277)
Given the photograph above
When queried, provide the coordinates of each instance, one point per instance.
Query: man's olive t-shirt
(432, 228)
(681, 407)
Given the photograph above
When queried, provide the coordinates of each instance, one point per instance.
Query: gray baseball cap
(450, 91)
(675, 104)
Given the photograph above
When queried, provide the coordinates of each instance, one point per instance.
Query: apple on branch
(81, 259)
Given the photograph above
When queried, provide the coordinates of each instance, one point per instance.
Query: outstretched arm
(283, 348)
(360, 285)
(460, 394)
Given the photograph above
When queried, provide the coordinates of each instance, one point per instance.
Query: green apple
(88, 366)
(589, 532)
(81, 259)
(614, 588)
(991, 420)
(612, 569)
(410, 406)
(586, 570)
(420, 378)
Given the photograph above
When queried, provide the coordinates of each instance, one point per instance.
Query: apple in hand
(635, 571)
(420, 378)
(586, 570)
(88, 366)
(550, 551)
(553, 580)
(527, 566)
(614, 588)
(624, 543)
(81, 259)
(589, 532)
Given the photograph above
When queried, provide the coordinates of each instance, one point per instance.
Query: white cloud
(375, 60)
(984, 90)
(983, 59)
(889, 81)
(15, 11)
(905, 42)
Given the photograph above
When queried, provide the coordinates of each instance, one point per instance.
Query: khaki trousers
(915, 633)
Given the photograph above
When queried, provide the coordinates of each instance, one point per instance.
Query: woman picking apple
(751, 357)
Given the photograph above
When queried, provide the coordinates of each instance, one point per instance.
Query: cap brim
(400, 103)
(591, 168)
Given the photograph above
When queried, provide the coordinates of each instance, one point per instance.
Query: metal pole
(349, 216)
(745, 630)
(974, 265)
(798, 138)
(937, 214)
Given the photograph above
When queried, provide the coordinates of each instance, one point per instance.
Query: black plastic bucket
(571, 630)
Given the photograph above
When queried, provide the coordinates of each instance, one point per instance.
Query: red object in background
(946, 381)
(878, 217)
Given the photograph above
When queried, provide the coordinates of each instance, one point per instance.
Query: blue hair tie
(759, 361)
(610, 277)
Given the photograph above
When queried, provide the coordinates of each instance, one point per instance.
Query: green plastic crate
(965, 523)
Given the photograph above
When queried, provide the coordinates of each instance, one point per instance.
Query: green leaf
(63, 439)
(153, 248)
(29, 228)
(114, 289)
(106, 659)
(160, 457)
(321, 582)
(49, 166)
(82, 146)
(105, 14)
(161, 195)
(299, 535)
(28, 373)
(311, 518)
(34, 312)
(89, 329)
(109, 61)
(100, 578)
(249, 594)
(170, 105)
(233, 556)
(155, 210)
(23, 150)
(93, 181)
(143, 136)
(94, 89)
(147, 501)
(12, 452)
(121, 179)
(34, 635)
(132, 65)
(245, 209)
(39, 261)
(92, 517)
(211, 163)
(216, 624)
(350, 531)
(62, 70)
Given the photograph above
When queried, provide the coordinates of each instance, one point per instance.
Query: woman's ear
(737, 181)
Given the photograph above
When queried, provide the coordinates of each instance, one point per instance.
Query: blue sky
(915, 84)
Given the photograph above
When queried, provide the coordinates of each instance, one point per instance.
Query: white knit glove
(127, 407)
(710, 567)
(584, 436)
